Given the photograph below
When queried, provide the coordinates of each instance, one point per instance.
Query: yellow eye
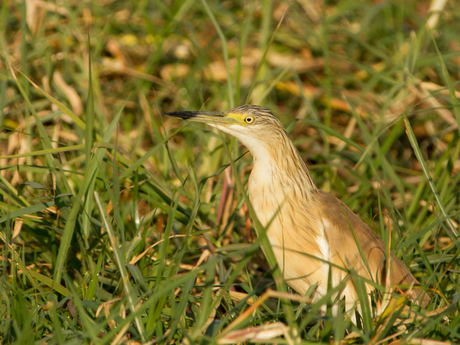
(249, 119)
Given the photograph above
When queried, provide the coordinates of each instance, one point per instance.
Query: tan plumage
(300, 217)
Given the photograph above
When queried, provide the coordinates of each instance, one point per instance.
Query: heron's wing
(340, 223)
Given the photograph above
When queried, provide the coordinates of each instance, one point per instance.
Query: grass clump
(118, 225)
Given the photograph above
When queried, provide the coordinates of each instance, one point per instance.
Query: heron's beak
(219, 118)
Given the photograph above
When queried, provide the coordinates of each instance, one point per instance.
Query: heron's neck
(281, 160)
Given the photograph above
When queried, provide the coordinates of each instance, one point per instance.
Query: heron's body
(310, 231)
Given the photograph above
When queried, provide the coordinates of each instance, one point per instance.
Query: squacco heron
(311, 232)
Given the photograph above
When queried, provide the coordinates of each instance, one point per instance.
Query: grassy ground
(119, 225)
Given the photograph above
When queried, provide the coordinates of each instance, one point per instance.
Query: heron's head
(251, 124)
(261, 132)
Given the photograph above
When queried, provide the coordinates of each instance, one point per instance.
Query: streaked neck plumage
(278, 158)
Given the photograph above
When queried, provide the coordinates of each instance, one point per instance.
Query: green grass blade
(418, 154)
(224, 50)
(119, 257)
(88, 179)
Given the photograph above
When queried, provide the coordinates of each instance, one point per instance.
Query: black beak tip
(181, 114)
